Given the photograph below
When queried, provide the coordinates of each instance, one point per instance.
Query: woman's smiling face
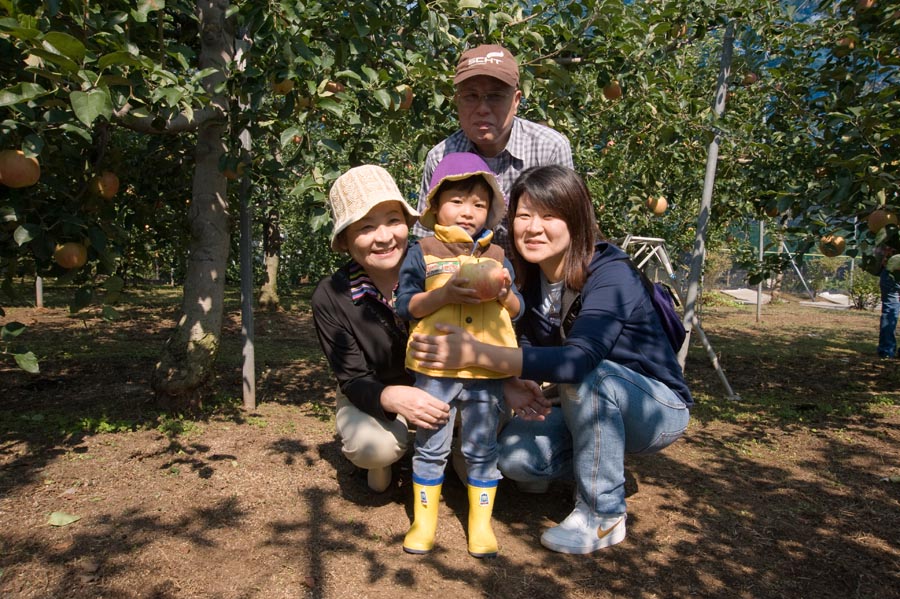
(378, 241)
(541, 238)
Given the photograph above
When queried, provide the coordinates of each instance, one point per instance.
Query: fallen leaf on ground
(62, 519)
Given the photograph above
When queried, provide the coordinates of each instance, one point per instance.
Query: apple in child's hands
(486, 277)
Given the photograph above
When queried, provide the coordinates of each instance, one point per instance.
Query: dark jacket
(617, 322)
(363, 340)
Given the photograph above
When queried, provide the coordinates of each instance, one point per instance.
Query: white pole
(762, 236)
(693, 288)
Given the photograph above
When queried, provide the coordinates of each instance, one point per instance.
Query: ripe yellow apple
(657, 204)
(832, 245)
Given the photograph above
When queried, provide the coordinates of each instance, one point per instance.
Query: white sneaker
(585, 532)
(379, 479)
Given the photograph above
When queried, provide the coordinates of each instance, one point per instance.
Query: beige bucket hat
(359, 190)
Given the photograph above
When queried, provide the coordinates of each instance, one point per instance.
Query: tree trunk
(775, 292)
(188, 357)
(268, 297)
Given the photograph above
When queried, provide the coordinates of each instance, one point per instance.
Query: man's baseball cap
(491, 60)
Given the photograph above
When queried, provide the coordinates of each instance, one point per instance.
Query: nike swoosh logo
(602, 533)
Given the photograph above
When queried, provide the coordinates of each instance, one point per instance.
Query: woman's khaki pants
(367, 441)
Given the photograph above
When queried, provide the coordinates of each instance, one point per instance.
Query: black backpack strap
(571, 306)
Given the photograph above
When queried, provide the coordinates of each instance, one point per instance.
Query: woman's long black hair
(559, 191)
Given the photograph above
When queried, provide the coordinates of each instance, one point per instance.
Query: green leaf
(370, 73)
(287, 136)
(469, 4)
(32, 145)
(145, 7)
(11, 330)
(81, 300)
(13, 28)
(383, 97)
(63, 62)
(332, 145)
(21, 92)
(82, 133)
(110, 313)
(118, 58)
(65, 44)
(25, 233)
(89, 105)
(331, 106)
(114, 284)
(8, 214)
(62, 519)
(27, 362)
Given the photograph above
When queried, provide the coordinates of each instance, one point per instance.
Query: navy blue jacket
(617, 322)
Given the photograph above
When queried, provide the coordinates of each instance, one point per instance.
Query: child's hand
(507, 283)
(454, 291)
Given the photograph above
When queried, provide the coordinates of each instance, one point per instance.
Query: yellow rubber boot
(420, 538)
(482, 542)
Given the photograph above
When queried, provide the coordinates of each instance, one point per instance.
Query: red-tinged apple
(484, 276)
(70, 254)
(881, 217)
(18, 170)
(612, 90)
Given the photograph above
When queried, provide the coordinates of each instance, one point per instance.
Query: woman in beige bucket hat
(360, 333)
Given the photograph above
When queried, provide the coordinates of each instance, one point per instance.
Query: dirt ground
(793, 492)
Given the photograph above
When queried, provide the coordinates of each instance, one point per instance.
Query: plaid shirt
(529, 145)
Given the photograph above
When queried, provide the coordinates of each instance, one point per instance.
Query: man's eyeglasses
(492, 99)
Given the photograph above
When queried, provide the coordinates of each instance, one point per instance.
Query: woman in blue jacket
(590, 326)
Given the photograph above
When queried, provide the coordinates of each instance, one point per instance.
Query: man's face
(486, 107)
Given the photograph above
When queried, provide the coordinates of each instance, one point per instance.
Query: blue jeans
(890, 309)
(479, 403)
(614, 411)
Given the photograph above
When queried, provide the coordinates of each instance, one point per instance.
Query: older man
(487, 99)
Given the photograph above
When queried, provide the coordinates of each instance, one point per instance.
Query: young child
(463, 203)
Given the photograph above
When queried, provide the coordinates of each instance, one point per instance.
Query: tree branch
(178, 124)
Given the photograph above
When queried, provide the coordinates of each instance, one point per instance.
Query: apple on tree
(18, 170)
(105, 185)
(282, 87)
(612, 90)
(844, 46)
(657, 204)
(832, 245)
(879, 218)
(70, 255)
